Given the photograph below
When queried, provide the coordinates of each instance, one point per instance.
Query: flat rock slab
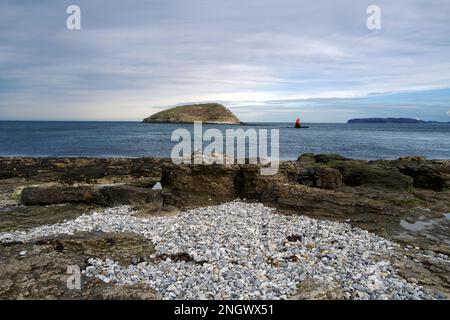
(105, 196)
(27, 217)
(38, 269)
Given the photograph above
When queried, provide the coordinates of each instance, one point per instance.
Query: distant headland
(213, 113)
(389, 120)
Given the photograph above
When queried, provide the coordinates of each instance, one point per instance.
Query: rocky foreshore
(323, 227)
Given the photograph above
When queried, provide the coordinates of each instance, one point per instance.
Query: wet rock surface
(38, 268)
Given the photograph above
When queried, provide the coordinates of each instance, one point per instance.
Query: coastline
(404, 201)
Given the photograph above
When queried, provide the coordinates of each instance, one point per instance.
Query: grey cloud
(132, 58)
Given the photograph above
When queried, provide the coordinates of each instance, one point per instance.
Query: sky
(267, 60)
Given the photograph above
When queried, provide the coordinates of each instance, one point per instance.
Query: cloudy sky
(268, 60)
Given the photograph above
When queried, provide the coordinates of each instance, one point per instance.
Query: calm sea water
(135, 139)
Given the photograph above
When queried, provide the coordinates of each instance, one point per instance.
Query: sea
(136, 139)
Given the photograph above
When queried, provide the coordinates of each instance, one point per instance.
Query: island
(386, 120)
(212, 113)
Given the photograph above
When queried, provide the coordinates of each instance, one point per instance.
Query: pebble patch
(241, 250)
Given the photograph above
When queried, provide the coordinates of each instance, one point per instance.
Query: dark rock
(288, 170)
(121, 194)
(328, 178)
(106, 196)
(306, 158)
(325, 158)
(321, 202)
(251, 185)
(294, 238)
(121, 247)
(321, 177)
(306, 177)
(69, 170)
(54, 195)
(135, 260)
(373, 175)
(27, 217)
(424, 176)
(198, 184)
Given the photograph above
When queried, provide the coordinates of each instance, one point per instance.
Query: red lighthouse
(297, 123)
